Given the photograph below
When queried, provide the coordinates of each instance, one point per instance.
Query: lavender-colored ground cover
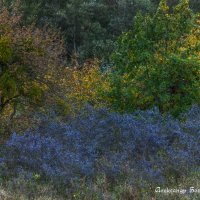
(144, 145)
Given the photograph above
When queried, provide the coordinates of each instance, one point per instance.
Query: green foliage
(157, 62)
(89, 27)
(8, 86)
(5, 49)
(194, 4)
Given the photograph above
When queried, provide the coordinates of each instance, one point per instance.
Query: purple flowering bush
(53, 152)
(143, 148)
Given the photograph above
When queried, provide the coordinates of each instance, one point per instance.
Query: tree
(157, 61)
(30, 62)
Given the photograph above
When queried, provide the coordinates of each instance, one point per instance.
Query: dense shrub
(142, 148)
(83, 84)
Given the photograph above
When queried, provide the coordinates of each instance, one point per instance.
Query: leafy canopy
(30, 60)
(157, 61)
